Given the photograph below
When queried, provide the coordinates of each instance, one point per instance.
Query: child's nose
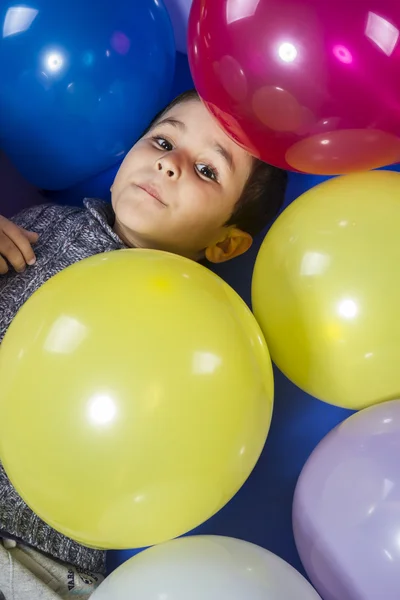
(169, 166)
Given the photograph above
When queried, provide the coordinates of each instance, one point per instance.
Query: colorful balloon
(326, 290)
(179, 13)
(146, 391)
(99, 185)
(346, 515)
(80, 81)
(306, 85)
(206, 568)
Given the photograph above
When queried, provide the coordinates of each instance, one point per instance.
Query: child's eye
(207, 171)
(163, 143)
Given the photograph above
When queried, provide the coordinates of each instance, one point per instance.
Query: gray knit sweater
(67, 235)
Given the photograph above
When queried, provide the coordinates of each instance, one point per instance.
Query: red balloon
(306, 85)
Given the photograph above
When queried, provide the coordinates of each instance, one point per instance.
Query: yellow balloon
(136, 396)
(326, 290)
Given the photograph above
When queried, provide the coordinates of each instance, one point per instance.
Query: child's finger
(19, 237)
(3, 266)
(10, 251)
(31, 235)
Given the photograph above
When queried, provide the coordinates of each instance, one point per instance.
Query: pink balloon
(306, 85)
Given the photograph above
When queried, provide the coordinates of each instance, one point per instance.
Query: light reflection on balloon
(18, 19)
(343, 54)
(348, 308)
(287, 52)
(65, 336)
(102, 409)
(54, 61)
(240, 9)
(382, 33)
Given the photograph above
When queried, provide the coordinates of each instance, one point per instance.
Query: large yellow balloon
(326, 290)
(135, 398)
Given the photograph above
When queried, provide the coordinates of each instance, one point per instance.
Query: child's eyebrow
(226, 155)
(171, 121)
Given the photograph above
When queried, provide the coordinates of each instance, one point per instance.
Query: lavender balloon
(346, 512)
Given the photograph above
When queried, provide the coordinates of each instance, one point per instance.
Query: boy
(185, 187)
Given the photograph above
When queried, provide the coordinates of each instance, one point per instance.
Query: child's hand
(15, 246)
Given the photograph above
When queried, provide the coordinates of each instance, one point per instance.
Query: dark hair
(264, 191)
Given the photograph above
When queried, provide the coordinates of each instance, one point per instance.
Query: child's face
(179, 184)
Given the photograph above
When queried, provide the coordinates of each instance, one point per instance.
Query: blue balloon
(79, 79)
(99, 185)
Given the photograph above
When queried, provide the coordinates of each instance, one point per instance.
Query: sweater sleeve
(35, 218)
(16, 288)
(16, 519)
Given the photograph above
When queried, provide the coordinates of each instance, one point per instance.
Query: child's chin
(142, 226)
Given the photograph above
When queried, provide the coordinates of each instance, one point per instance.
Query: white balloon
(205, 568)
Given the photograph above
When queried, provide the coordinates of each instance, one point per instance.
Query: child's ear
(235, 243)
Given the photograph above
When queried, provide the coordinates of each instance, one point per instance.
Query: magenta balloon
(306, 85)
(346, 510)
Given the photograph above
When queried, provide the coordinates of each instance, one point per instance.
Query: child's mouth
(151, 191)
